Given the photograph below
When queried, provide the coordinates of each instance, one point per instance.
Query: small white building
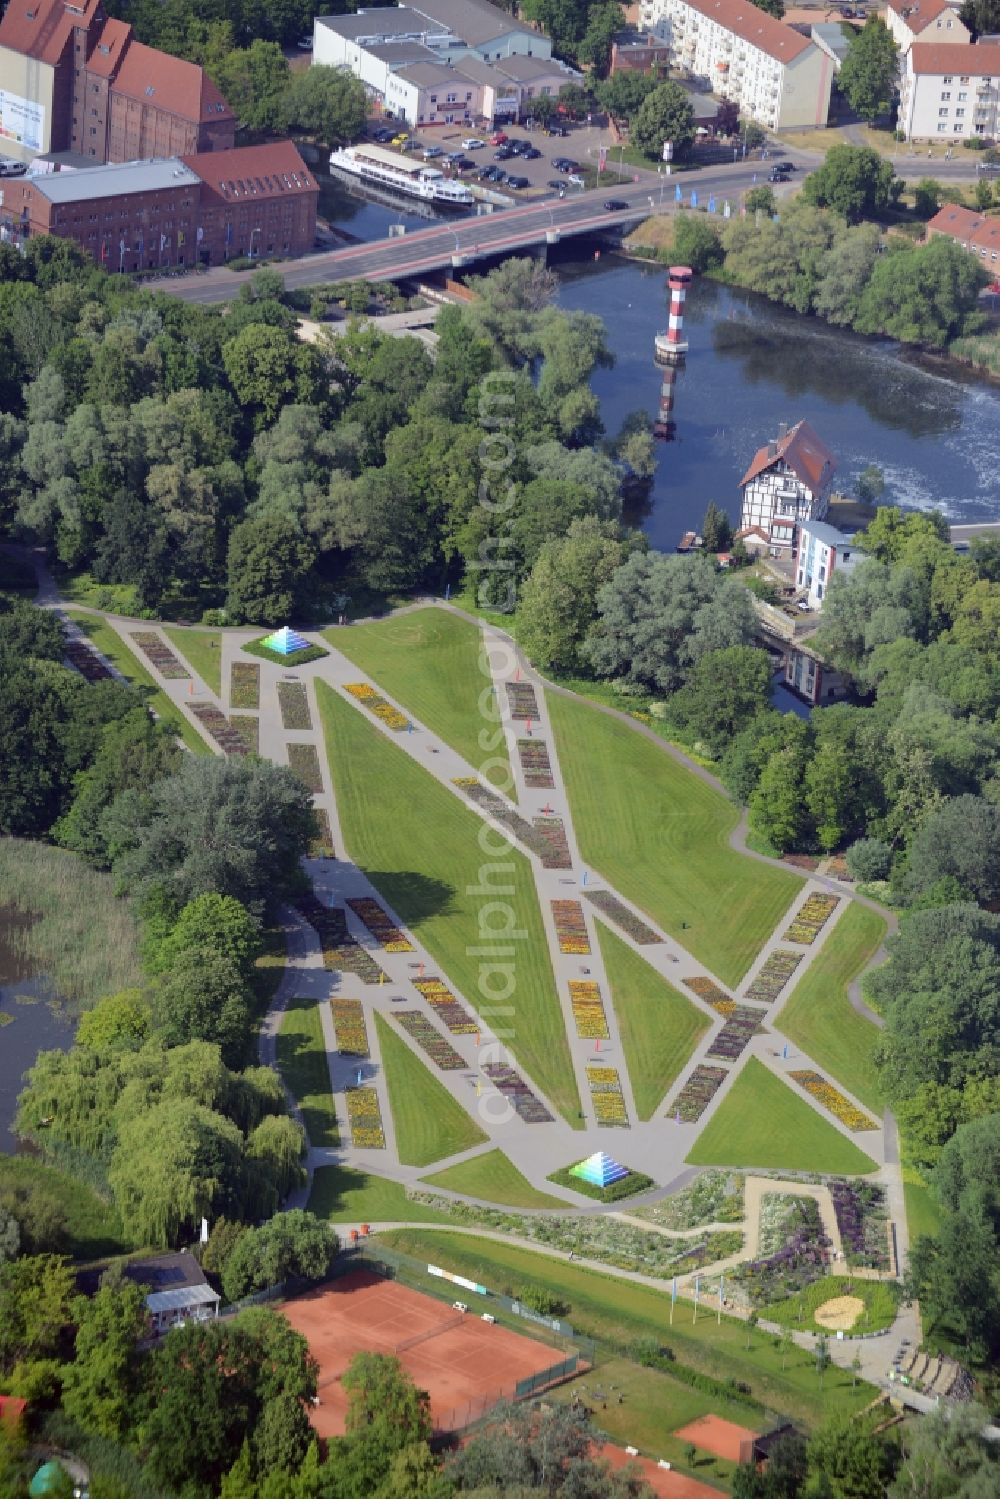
(777, 76)
(820, 551)
(912, 21)
(177, 1307)
(950, 90)
(788, 482)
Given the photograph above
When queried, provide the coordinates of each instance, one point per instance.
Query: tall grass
(982, 351)
(84, 939)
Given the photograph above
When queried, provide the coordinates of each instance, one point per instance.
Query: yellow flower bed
(831, 1098)
(811, 919)
(710, 992)
(588, 1010)
(361, 690)
(377, 704)
(606, 1093)
(349, 1027)
(365, 1118)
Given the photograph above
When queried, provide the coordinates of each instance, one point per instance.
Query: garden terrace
(811, 918)
(606, 1096)
(380, 706)
(349, 1027)
(535, 765)
(385, 931)
(736, 1034)
(419, 1028)
(86, 661)
(321, 846)
(863, 1220)
(554, 850)
(162, 657)
(697, 1093)
(709, 991)
(571, 928)
(455, 1016)
(304, 761)
(211, 718)
(365, 1118)
(832, 1099)
(609, 905)
(515, 1089)
(247, 725)
(793, 1250)
(294, 705)
(588, 1010)
(773, 977)
(244, 685)
(522, 701)
(340, 950)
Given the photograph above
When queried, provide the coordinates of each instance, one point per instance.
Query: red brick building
(972, 230)
(73, 79)
(204, 209)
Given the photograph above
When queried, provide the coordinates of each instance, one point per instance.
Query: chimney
(782, 430)
(772, 450)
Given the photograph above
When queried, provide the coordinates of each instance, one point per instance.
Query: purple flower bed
(800, 1260)
(862, 1217)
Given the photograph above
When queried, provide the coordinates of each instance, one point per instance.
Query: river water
(30, 1022)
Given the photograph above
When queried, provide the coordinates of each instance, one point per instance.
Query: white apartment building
(912, 21)
(821, 551)
(777, 76)
(788, 482)
(950, 91)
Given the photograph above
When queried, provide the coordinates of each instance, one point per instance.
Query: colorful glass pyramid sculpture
(599, 1170)
(285, 642)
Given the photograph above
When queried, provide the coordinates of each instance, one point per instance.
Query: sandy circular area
(839, 1314)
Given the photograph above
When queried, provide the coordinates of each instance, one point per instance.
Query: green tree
(760, 200)
(696, 242)
(134, 751)
(117, 1021)
(36, 1294)
(982, 17)
(268, 561)
(282, 1438)
(945, 1456)
(254, 79)
(775, 8)
(558, 600)
(776, 810)
(290, 1244)
(210, 923)
(922, 293)
(829, 787)
(622, 95)
(871, 484)
(99, 1385)
(329, 103)
(847, 1458)
(869, 859)
(869, 73)
(927, 196)
(664, 115)
(603, 21)
(268, 368)
(203, 997)
(959, 838)
(716, 529)
(854, 181)
(725, 690)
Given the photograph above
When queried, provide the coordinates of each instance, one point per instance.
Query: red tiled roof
(107, 50)
(744, 19)
(971, 229)
(972, 59)
(249, 172)
(918, 14)
(41, 30)
(12, 1408)
(169, 83)
(807, 457)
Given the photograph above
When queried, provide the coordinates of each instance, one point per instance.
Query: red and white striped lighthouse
(671, 346)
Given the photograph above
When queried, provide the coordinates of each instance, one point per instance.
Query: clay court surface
(463, 1362)
(722, 1438)
(665, 1485)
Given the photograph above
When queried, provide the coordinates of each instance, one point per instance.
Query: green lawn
(344, 1195)
(818, 1015)
(429, 662)
(429, 1124)
(493, 1177)
(659, 1027)
(660, 834)
(92, 1225)
(302, 1061)
(621, 1312)
(420, 846)
(761, 1122)
(923, 1216)
(881, 1302)
(203, 650)
(111, 645)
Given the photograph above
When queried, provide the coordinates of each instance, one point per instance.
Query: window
(949, 78)
(946, 96)
(942, 127)
(962, 98)
(942, 113)
(959, 113)
(957, 129)
(963, 80)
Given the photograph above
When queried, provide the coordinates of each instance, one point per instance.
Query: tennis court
(464, 1363)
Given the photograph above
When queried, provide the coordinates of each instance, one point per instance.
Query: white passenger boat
(417, 179)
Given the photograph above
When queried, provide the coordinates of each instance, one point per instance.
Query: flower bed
(774, 975)
(349, 1027)
(571, 928)
(380, 706)
(812, 918)
(294, 704)
(365, 1118)
(522, 700)
(588, 1010)
(455, 1016)
(535, 764)
(714, 1197)
(710, 992)
(606, 1096)
(554, 851)
(304, 761)
(735, 1035)
(386, 933)
(247, 725)
(793, 1250)
(876, 1303)
(86, 661)
(609, 905)
(513, 1087)
(863, 1220)
(697, 1093)
(440, 1051)
(832, 1099)
(546, 839)
(229, 739)
(244, 685)
(162, 657)
(340, 950)
(321, 846)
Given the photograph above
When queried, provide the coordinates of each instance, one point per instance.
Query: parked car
(305, 44)
(616, 205)
(777, 175)
(462, 163)
(401, 139)
(383, 136)
(518, 183)
(503, 153)
(430, 152)
(575, 180)
(557, 184)
(518, 146)
(532, 153)
(409, 145)
(490, 174)
(784, 166)
(498, 138)
(472, 143)
(563, 164)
